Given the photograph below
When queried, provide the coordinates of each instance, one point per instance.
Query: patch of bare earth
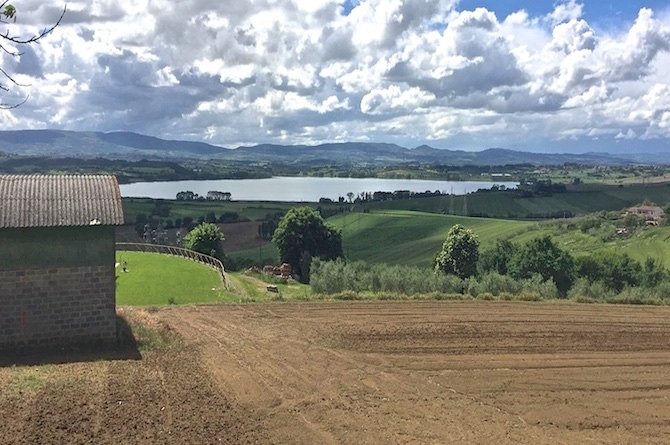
(362, 373)
(164, 398)
(439, 372)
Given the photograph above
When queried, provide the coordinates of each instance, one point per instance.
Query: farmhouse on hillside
(647, 213)
(57, 256)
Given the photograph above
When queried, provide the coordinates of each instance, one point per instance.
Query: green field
(653, 242)
(399, 237)
(253, 210)
(412, 238)
(508, 205)
(154, 279)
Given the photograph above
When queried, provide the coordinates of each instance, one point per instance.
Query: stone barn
(57, 260)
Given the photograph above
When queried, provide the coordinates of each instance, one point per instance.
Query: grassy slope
(651, 242)
(153, 278)
(400, 237)
(253, 287)
(506, 205)
(253, 210)
(403, 237)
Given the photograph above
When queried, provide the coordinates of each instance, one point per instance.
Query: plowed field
(365, 373)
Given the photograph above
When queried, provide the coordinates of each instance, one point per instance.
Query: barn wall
(57, 286)
(57, 246)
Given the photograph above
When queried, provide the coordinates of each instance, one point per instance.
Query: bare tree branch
(8, 10)
(35, 38)
(4, 106)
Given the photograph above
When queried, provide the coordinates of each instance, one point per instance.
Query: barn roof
(51, 201)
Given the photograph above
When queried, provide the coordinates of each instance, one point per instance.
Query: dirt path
(434, 372)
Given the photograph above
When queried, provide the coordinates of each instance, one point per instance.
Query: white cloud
(567, 10)
(393, 98)
(406, 71)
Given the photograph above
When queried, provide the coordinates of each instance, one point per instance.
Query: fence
(210, 261)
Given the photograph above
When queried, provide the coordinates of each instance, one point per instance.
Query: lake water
(302, 189)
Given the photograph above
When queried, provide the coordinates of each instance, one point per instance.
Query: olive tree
(459, 253)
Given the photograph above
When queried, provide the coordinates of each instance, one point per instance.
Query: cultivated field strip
(440, 372)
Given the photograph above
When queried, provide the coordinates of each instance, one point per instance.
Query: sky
(556, 76)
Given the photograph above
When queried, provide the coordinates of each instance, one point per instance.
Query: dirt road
(435, 373)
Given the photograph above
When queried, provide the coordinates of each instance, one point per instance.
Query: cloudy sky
(470, 74)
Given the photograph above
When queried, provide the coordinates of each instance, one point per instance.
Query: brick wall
(51, 306)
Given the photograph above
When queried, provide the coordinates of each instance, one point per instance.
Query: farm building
(57, 254)
(647, 213)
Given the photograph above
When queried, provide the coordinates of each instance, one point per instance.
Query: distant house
(652, 214)
(57, 244)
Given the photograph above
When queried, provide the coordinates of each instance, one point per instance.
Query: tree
(615, 271)
(459, 253)
(541, 256)
(205, 238)
(302, 233)
(653, 273)
(498, 258)
(631, 221)
(10, 44)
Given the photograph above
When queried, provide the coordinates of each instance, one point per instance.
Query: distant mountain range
(133, 146)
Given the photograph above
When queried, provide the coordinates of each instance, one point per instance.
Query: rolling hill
(134, 146)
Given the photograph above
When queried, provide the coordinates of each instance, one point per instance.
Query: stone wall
(53, 306)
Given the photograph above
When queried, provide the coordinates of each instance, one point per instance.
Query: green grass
(253, 210)
(579, 201)
(399, 237)
(253, 288)
(412, 238)
(154, 279)
(646, 242)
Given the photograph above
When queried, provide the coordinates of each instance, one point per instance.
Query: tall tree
(303, 233)
(497, 258)
(459, 253)
(541, 256)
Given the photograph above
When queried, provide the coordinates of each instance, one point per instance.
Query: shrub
(332, 277)
(583, 289)
(493, 283)
(205, 238)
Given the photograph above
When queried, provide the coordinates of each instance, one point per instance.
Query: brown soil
(374, 373)
(241, 236)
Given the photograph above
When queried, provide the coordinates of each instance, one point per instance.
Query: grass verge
(155, 279)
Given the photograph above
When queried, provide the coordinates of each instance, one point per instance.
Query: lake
(299, 189)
